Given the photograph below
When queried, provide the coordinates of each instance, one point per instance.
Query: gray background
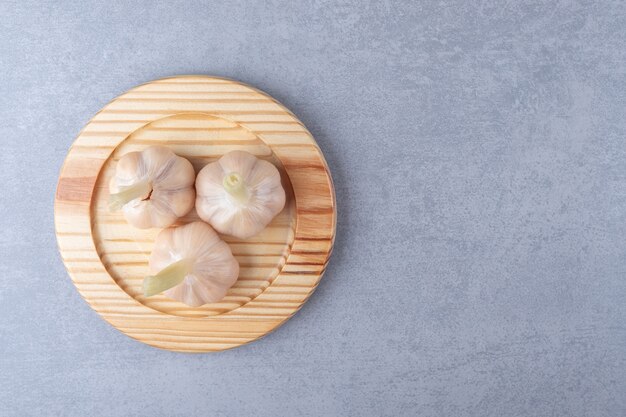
(479, 157)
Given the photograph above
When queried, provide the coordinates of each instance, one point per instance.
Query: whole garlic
(192, 265)
(239, 194)
(153, 187)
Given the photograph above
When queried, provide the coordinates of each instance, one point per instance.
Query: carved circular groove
(200, 118)
(125, 250)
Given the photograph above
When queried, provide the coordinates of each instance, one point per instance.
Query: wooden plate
(200, 118)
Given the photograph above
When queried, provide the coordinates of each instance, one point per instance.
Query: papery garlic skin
(165, 180)
(212, 268)
(239, 194)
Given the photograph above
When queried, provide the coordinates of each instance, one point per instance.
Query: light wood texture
(200, 118)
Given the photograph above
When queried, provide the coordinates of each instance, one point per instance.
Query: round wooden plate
(200, 118)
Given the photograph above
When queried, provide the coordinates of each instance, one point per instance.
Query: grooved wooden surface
(200, 118)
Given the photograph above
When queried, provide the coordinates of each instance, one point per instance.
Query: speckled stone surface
(479, 157)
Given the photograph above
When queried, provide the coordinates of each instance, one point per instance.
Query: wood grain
(200, 118)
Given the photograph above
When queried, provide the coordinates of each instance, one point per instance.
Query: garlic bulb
(153, 187)
(192, 265)
(239, 194)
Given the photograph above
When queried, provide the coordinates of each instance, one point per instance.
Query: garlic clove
(238, 161)
(126, 169)
(175, 173)
(148, 214)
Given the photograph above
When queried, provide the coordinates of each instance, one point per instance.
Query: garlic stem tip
(235, 185)
(128, 194)
(167, 278)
